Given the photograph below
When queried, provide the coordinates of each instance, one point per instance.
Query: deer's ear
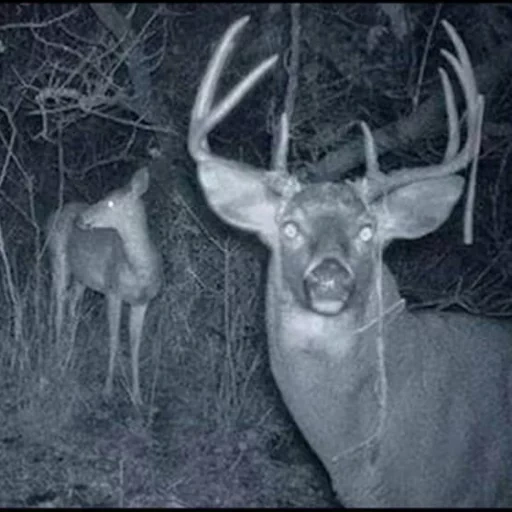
(140, 181)
(418, 208)
(239, 195)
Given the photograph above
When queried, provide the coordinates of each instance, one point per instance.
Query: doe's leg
(75, 298)
(114, 304)
(60, 279)
(137, 314)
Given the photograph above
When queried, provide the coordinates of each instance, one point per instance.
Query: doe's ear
(418, 208)
(239, 195)
(140, 181)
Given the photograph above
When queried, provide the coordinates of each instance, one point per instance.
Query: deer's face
(326, 238)
(119, 208)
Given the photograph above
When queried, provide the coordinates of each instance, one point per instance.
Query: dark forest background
(92, 92)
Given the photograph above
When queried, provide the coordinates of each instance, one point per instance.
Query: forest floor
(62, 444)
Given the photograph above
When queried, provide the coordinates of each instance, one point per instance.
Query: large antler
(454, 159)
(205, 117)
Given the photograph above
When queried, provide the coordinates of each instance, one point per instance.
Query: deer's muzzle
(82, 223)
(328, 285)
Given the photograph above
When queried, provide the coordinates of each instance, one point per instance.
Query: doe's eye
(110, 203)
(290, 230)
(366, 233)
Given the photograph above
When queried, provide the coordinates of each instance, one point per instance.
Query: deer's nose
(82, 223)
(330, 276)
(328, 286)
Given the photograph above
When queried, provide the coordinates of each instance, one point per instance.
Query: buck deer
(403, 409)
(106, 247)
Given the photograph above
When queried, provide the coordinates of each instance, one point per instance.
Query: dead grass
(213, 431)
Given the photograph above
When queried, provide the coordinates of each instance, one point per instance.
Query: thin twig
(39, 24)
(416, 97)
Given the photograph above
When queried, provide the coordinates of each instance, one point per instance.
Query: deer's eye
(110, 203)
(290, 230)
(366, 233)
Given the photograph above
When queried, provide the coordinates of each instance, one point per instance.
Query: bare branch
(426, 122)
(10, 146)
(40, 24)
(281, 131)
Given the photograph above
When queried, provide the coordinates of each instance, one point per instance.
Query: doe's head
(118, 209)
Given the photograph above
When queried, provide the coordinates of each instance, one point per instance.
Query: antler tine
(465, 62)
(374, 178)
(453, 118)
(455, 159)
(236, 94)
(217, 62)
(203, 117)
(372, 160)
(278, 179)
(280, 156)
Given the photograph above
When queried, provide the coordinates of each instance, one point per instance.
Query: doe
(106, 247)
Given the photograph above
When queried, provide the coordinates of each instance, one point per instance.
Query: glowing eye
(110, 203)
(290, 230)
(366, 233)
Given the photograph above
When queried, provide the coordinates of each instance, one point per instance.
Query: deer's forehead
(327, 199)
(117, 195)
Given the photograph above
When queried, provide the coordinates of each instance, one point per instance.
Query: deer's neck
(141, 254)
(330, 369)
